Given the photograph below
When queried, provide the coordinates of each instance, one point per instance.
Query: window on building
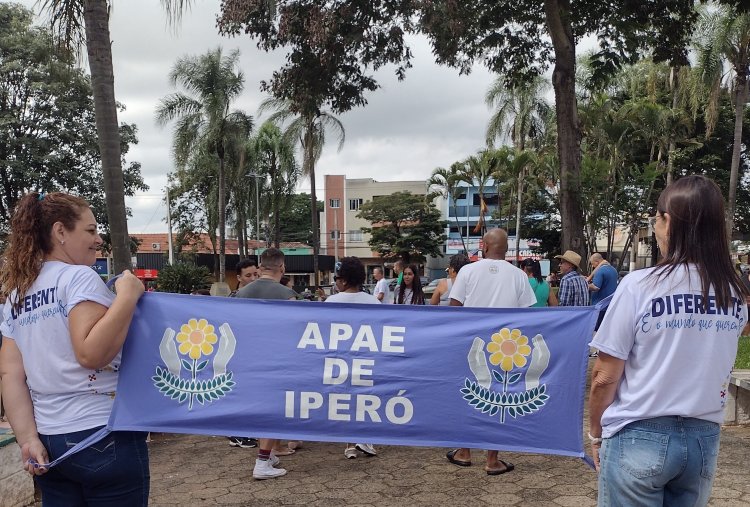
(462, 195)
(334, 203)
(335, 234)
(355, 236)
(355, 204)
(489, 198)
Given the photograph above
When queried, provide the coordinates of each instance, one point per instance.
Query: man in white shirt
(490, 283)
(381, 288)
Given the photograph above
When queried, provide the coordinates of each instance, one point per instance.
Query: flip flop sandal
(509, 467)
(459, 462)
(284, 452)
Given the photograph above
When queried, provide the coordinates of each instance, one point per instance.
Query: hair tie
(41, 196)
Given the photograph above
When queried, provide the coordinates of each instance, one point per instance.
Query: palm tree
(79, 22)
(447, 180)
(521, 112)
(512, 166)
(274, 157)
(479, 170)
(203, 117)
(524, 116)
(723, 35)
(241, 190)
(309, 130)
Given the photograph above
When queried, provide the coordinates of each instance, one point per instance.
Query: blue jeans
(112, 472)
(661, 461)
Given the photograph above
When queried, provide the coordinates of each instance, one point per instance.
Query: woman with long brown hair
(63, 332)
(409, 291)
(666, 349)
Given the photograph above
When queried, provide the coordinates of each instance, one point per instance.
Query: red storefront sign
(146, 274)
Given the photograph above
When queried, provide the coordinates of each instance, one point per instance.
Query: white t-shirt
(382, 286)
(352, 297)
(408, 296)
(492, 283)
(66, 396)
(676, 363)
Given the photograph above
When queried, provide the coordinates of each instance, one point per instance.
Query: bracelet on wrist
(595, 440)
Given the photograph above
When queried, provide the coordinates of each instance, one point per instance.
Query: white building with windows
(341, 229)
(341, 233)
(463, 216)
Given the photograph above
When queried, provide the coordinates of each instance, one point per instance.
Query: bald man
(603, 279)
(490, 283)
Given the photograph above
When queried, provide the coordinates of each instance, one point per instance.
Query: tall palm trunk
(222, 217)
(241, 238)
(518, 216)
(559, 23)
(672, 144)
(99, 51)
(458, 226)
(277, 222)
(310, 170)
(739, 112)
(276, 204)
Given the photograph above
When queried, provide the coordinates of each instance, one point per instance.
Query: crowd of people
(654, 423)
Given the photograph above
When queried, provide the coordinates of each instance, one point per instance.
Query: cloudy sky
(432, 118)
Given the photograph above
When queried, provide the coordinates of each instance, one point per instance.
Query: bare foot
(283, 451)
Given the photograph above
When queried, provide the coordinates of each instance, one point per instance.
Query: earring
(62, 242)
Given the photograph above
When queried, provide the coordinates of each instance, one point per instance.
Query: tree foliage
(404, 226)
(273, 155)
(205, 125)
(511, 37)
(183, 278)
(309, 130)
(295, 224)
(48, 138)
(723, 35)
(332, 48)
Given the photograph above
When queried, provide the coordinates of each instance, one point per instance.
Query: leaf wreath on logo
(204, 391)
(491, 402)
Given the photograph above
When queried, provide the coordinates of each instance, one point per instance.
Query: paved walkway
(202, 471)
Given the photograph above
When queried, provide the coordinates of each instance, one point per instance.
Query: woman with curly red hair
(63, 331)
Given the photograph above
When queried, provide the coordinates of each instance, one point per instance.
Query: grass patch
(743, 354)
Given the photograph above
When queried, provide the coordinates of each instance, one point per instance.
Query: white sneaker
(367, 449)
(265, 470)
(274, 459)
(350, 453)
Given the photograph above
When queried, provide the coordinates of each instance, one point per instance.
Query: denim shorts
(661, 461)
(112, 472)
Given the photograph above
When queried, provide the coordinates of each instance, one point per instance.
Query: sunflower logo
(196, 338)
(508, 349)
(511, 351)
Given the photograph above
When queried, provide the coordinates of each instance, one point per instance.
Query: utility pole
(169, 229)
(256, 177)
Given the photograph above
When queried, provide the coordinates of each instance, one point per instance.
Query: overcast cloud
(432, 118)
